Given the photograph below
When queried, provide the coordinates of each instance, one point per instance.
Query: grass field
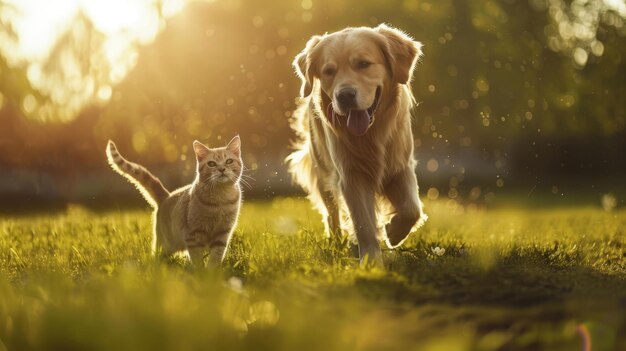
(506, 279)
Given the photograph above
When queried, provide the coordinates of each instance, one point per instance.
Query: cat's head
(220, 165)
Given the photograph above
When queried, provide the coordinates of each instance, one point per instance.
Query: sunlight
(576, 24)
(37, 31)
(74, 51)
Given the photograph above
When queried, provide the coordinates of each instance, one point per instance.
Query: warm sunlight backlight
(74, 51)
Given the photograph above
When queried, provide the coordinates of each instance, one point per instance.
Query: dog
(354, 151)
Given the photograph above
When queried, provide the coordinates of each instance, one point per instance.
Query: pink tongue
(358, 121)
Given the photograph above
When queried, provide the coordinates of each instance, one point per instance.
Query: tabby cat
(198, 218)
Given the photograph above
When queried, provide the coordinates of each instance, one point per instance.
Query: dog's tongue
(358, 121)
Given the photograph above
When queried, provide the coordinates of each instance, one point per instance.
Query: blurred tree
(497, 76)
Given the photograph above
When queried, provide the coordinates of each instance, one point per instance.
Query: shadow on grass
(523, 294)
(522, 277)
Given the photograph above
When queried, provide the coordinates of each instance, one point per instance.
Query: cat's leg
(217, 249)
(216, 255)
(157, 239)
(197, 245)
(196, 255)
(157, 244)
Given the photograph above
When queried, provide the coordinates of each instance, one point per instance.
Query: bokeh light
(75, 51)
(507, 91)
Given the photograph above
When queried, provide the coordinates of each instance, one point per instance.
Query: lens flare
(75, 51)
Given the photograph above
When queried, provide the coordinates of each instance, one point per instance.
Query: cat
(199, 218)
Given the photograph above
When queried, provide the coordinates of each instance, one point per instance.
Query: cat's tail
(148, 185)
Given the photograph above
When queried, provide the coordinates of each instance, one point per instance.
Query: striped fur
(148, 185)
(197, 219)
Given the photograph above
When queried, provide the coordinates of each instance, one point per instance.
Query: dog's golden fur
(369, 179)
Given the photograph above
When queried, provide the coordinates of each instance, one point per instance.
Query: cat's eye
(212, 164)
(229, 161)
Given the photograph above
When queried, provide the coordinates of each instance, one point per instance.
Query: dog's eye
(363, 64)
(329, 71)
(212, 164)
(229, 161)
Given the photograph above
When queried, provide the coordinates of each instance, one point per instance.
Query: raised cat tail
(148, 185)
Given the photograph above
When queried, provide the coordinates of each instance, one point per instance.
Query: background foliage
(515, 94)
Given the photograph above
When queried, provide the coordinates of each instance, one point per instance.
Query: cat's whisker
(245, 176)
(208, 181)
(245, 182)
(208, 197)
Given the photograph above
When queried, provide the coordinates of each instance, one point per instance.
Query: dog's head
(353, 67)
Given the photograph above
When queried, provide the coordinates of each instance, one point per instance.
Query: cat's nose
(222, 170)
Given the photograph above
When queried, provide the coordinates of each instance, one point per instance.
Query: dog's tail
(300, 162)
(300, 166)
(148, 185)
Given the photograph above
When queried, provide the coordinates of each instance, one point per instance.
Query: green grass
(514, 279)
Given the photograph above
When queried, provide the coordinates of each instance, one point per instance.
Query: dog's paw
(396, 236)
(372, 258)
(400, 227)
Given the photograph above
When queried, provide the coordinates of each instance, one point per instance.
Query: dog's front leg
(360, 202)
(331, 221)
(402, 192)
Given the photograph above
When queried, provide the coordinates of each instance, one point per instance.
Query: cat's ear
(201, 150)
(235, 146)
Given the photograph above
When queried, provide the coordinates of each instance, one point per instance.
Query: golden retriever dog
(354, 153)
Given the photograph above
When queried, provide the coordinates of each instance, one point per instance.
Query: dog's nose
(346, 97)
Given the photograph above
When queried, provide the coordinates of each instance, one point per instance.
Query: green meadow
(513, 278)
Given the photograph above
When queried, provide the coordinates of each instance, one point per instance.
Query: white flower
(235, 284)
(439, 251)
(609, 202)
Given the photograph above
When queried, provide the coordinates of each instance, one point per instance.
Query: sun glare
(49, 39)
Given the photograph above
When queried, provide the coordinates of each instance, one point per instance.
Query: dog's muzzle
(358, 121)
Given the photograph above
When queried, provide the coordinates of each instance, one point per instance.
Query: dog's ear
(303, 65)
(401, 53)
